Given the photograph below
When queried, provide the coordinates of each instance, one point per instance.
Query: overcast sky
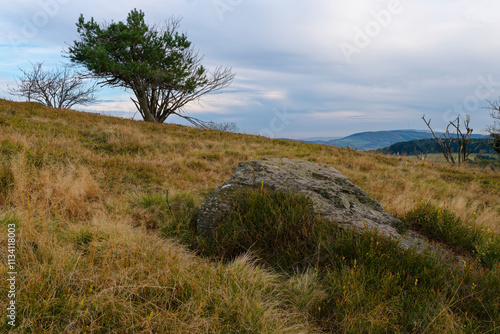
(303, 68)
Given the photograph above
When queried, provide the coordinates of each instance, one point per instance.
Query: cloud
(285, 54)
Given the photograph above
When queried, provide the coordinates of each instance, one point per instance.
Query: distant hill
(318, 140)
(374, 140)
(480, 145)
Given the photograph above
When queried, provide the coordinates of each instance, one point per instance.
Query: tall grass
(102, 249)
(126, 156)
(441, 225)
(365, 282)
(82, 271)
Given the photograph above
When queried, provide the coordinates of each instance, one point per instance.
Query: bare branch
(444, 146)
(446, 140)
(58, 88)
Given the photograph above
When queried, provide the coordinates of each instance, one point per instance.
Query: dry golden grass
(125, 155)
(85, 267)
(84, 270)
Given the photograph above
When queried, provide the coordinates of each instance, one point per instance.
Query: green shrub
(443, 226)
(365, 282)
(278, 227)
(173, 216)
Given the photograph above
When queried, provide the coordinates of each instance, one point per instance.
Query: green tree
(157, 63)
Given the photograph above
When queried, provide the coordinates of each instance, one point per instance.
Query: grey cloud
(286, 55)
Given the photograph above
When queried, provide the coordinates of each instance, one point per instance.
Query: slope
(87, 192)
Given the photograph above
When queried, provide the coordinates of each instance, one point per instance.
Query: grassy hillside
(100, 251)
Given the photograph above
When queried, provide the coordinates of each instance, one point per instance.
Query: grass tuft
(442, 226)
(278, 227)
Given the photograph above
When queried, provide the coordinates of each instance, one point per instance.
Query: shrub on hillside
(443, 226)
(364, 281)
(278, 227)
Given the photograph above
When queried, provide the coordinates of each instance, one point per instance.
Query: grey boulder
(333, 196)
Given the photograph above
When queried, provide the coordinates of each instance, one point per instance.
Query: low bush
(443, 226)
(277, 227)
(365, 282)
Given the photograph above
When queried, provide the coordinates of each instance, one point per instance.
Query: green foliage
(367, 282)
(495, 142)
(157, 64)
(430, 146)
(126, 51)
(487, 161)
(443, 226)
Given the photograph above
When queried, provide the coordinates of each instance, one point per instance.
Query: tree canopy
(156, 62)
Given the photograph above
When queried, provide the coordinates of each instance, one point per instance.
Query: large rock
(332, 195)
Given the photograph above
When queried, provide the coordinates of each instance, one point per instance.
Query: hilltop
(103, 205)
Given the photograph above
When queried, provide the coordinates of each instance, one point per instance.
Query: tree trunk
(142, 100)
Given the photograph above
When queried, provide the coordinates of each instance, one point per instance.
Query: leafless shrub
(60, 88)
(446, 140)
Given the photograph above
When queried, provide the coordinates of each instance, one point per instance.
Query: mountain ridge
(373, 140)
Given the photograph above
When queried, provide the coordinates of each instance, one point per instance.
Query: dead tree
(421, 156)
(446, 140)
(462, 138)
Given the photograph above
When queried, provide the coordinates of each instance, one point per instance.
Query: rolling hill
(374, 140)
